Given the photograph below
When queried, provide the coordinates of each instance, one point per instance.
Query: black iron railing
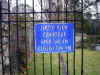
(59, 15)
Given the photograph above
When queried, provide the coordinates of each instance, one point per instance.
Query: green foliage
(79, 26)
(86, 26)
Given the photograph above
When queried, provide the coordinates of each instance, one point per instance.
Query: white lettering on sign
(45, 41)
(49, 27)
(45, 48)
(63, 27)
(54, 34)
(46, 27)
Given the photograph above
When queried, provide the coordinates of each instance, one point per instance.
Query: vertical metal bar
(50, 2)
(9, 23)
(43, 53)
(17, 50)
(67, 53)
(74, 58)
(34, 42)
(97, 12)
(74, 62)
(3, 70)
(59, 64)
(26, 39)
(82, 44)
(97, 17)
(59, 73)
(43, 63)
(67, 59)
(51, 63)
(67, 64)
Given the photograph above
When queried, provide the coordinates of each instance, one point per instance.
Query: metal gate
(17, 42)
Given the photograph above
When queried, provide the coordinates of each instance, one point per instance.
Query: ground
(91, 63)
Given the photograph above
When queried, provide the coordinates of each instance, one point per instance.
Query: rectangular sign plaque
(54, 38)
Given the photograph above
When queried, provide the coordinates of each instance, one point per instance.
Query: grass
(91, 63)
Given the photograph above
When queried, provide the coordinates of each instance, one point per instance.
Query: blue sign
(54, 38)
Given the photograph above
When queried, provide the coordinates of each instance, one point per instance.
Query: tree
(24, 34)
